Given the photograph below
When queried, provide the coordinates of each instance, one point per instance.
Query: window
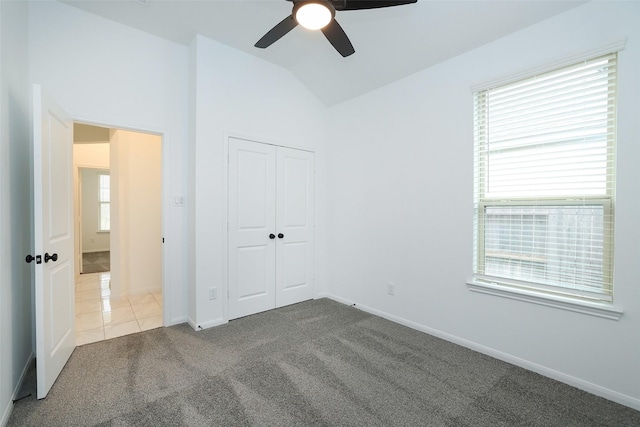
(544, 181)
(104, 196)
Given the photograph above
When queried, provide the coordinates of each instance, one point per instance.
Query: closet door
(295, 226)
(252, 227)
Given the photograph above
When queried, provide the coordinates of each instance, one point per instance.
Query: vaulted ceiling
(390, 43)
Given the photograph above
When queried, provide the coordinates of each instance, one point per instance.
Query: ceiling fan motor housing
(298, 4)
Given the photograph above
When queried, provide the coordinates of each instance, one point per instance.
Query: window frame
(102, 202)
(599, 304)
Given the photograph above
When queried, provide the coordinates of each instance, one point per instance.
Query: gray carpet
(96, 262)
(317, 363)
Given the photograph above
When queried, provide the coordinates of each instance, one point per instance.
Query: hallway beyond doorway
(100, 317)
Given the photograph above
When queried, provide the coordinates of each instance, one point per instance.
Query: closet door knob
(280, 235)
(272, 236)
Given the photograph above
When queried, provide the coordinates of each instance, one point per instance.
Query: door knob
(280, 235)
(37, 259)
(272, 236)
(48, 257)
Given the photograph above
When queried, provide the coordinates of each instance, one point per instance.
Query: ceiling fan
(320, 15)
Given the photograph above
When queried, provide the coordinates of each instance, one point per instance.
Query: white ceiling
(390, 43)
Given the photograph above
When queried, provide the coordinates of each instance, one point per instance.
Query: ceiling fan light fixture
(319, 15)
(313, 15)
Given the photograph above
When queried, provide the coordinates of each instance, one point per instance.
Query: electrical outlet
(391, 288)
(213, 293)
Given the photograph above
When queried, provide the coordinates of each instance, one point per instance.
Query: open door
(53, 239)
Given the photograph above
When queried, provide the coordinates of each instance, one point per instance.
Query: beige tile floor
(100, 317)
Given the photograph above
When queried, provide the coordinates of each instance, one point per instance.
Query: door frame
(225, 209)
(164, 196)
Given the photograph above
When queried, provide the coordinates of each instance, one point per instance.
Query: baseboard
(6, 413)
(23, 375)
(342, 301)
(192, 323)
(589, 387)
(211, 324)
(206, 325)
(178, 321)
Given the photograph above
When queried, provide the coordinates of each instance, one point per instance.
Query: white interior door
(53, 240)
(295, 226)
(270, 227)
(251, 227)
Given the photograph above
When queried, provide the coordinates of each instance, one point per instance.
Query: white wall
(233, 93)
(119, 260)
(16, 319)
(93, 240)
(145, 212)
(95, 155)
(105, 73)
(136, 228)
(401, 203)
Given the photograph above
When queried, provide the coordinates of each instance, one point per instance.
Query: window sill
(592, 308)
(103, 231)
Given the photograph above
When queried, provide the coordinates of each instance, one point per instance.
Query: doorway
(94, 204)
(118, 205)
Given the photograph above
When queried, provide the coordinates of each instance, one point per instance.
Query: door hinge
(163, 240)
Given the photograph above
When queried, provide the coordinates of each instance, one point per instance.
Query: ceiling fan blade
(274, 34)
(338, 38)
(368, 4)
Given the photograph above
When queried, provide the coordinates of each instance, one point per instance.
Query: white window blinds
(544, 180)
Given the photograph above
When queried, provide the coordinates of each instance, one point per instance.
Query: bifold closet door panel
(295, 176)
(252, 224)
